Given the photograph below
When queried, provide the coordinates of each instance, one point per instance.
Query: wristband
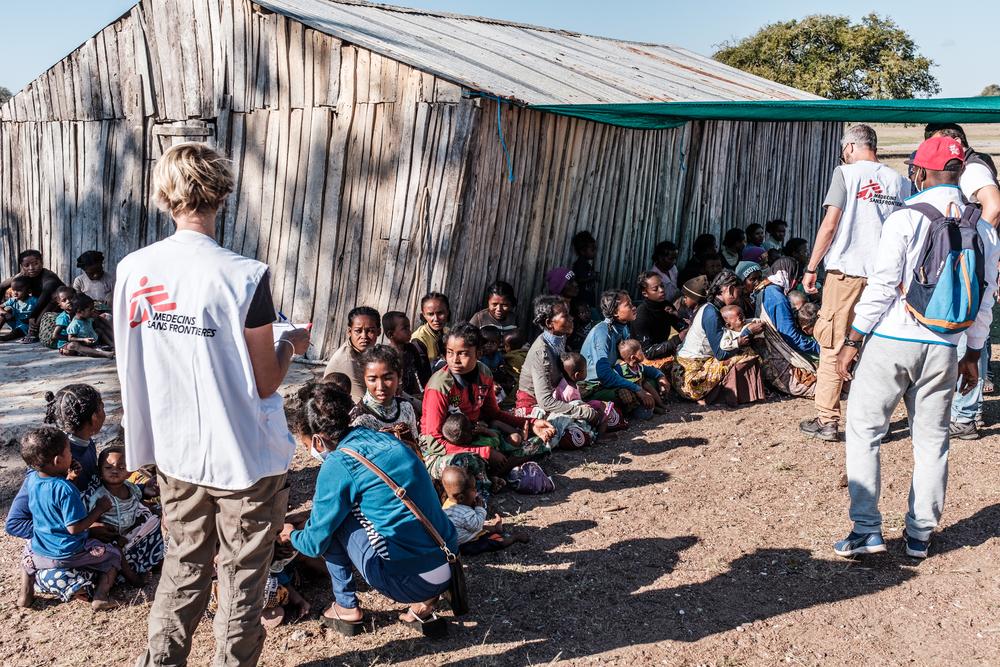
(813, 271)
(856, 344)
(284, 340)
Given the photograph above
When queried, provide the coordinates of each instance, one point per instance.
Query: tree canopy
(5, 94)
(836, 59)
(992, 90)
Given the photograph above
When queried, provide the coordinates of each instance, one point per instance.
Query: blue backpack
(948, 281)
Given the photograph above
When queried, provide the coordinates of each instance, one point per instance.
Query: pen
(286, 320)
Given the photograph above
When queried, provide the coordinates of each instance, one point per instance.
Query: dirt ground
(701, 538)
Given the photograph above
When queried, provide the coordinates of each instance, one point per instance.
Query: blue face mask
(316, 454)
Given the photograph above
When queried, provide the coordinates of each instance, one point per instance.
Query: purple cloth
(96, 555)
(752, 253)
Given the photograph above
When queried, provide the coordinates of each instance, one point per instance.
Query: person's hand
(743, 341)
(515, 439)
(845, 359)
(103, 504)
(756, 327)
(968, 371)
(482, 429)
(543, 430)
(495, 525)
(90, 341)
(285, 536)
(809, 283)
(646, 399)
(74, 471)
(299, 338)
(664, 384)
(497, 460)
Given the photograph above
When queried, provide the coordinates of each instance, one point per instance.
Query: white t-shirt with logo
(866, 193)
(189, 396)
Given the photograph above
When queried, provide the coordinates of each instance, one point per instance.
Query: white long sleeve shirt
(882, 308)
(469, 521)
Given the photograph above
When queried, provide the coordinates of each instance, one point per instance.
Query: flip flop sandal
(433, 627)
(28, 340)
(346, 628)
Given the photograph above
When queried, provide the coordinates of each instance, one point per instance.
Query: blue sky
(35, 34)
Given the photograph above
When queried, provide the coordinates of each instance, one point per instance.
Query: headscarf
(784, 272)
(751, 253)
(556, 279)
(744, 269)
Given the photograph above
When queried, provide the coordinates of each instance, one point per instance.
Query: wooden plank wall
(361, 180)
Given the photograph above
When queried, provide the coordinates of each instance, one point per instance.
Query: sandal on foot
(346, 628)
(432, 627)
(28, 340)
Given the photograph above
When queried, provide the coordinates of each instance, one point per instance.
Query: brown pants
(840, 294)
(241, 527)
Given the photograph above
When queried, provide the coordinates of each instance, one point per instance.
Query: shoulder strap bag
(458, 594)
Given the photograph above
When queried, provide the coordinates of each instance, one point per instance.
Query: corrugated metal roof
(531, 64)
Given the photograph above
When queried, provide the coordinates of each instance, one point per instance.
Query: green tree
(992, 90)
(5, 94)
(834, 58)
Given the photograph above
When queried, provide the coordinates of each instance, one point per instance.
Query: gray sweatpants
(924, 376)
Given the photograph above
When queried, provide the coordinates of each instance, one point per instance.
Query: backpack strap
(972, 215)
(929, 211)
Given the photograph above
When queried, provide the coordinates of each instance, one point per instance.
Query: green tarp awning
(659, 115)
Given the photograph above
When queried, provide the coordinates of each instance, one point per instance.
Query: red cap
(936, 152)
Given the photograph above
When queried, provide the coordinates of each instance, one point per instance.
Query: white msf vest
(188, 392)
(873, 192)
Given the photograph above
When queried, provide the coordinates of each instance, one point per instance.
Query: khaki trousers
(239, 526)
(840, 294)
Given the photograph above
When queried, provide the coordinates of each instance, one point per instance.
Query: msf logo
(867, 192)
(147, 300)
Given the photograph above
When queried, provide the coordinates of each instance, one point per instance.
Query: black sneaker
(817, 429)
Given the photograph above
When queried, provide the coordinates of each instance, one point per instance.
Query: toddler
(797, 299)
(582, 324)
(467, 511)
(16, 309)
(496, 361)
(416, 372)
(585, 247)
(574, 371)
(806, 316)
(129, 522)
(736, 328)
(82, 339)
(60, 521)
(631, 368)
(516, 446)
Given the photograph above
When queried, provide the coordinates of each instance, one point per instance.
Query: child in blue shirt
(630, 367)
(60, 520)
(14, 311)
(82, 339)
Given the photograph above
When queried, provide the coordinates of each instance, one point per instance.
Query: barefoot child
(467, 511)
(83, 339)
(60, 520)
(129, 522)
(16, 309)
(630, 367)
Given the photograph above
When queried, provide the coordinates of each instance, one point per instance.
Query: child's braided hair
(72, 407)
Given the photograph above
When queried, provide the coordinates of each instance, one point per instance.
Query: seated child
(95, 282)
(631, 368)
(806, 316)
(736, 328)
(83, 340)
(574, 371)
(514, 352)
(129, 523)
(582, 324)
(797, 299)
(60, 521)
(494, 359)
(467, 510)
(52, 327)
(416, 372)
(15, 310)
(516, 447)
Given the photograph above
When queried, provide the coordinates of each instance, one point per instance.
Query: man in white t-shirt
(199, 370)
(863, 192)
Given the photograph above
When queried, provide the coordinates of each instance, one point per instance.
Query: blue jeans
(351, 545)
(965, 409)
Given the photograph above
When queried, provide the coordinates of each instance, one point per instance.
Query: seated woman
(542, 372)
(499, 310)
(706, 373)
(435, 313)
(657, 326)
(750, 274)
(785, 349)
(732, 247)
(382, 408)
(601, 350)
(42, 284)
(358, 522)
(466, 385)
(364, 326)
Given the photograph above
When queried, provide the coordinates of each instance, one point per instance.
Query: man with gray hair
(863, 192)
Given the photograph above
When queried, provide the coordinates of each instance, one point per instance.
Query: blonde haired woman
(199, 370)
